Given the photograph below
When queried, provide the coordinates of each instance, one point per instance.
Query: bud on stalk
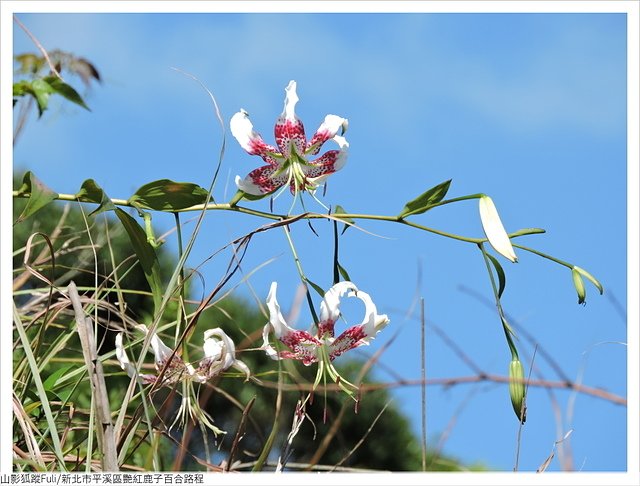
(517, 389)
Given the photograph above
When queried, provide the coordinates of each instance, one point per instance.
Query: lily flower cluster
(219, 355)
(289, 163)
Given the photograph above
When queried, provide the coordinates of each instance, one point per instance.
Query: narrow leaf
(343, 272)
(145, 253)
(90, 191)
(527, 231)
(168, 195)
(316, 287)
(340, 210)
(502, 279)
(40, 195)
(426, 200)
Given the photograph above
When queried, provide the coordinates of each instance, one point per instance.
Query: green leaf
(502, 279)
(316, 287)
(90, 191)
(426, 200)
(145, 253)
(343, 272)
(22, 88)
(53, 379)
(40, 195)
(41, 90)
(168, 195)
(527, 231)
(591, 278)
(58, 86)
(340, 210)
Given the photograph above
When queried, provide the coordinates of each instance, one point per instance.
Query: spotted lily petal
(302, 345)
(289, 130)
(327, 130)
(330, 162)
(494, 230)
(262, 180)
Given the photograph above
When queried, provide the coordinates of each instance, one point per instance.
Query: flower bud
(493, 228)
(578, 283)
(517, 389)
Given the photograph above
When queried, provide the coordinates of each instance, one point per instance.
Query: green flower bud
(578, 283)
(517, 389)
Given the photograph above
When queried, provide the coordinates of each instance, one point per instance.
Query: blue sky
(527, 108)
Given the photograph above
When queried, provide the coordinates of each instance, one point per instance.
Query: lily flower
(289, 162)
(494, 230)
(323, 347)
(219, 355)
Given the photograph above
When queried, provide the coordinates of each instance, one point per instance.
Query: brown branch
(104, 428)
(461, 380)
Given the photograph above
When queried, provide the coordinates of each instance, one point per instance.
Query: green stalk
(301, 273)
(503, 320)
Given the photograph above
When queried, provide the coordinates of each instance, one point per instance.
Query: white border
(631, 8)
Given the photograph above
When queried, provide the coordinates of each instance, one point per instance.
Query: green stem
(301, 273)
(544, 255)
(341, 216)
(503, 320)
(148, 229)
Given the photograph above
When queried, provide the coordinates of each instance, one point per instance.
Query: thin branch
(461, 380)
(42, 50)
(423, 375)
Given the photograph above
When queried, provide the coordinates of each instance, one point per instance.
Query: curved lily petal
(372, 323)
(123, 359)
(249, 139)
(494, 230)
(327, 130)
(289, 130)
(125, 364)
(219, 350)
(363, 333)
(302, 345)
(276, 321)
(330, 307)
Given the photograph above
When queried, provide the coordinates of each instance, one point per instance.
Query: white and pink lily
(219, 355)
(323, 347)
(289, 163)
